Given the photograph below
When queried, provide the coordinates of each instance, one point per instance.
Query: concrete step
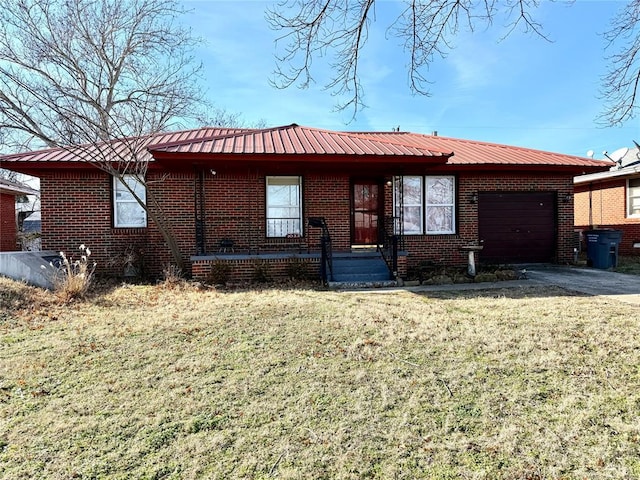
(360, 285)
(361, 277)
(360, 267)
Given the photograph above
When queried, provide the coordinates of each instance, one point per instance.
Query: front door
(366, 212)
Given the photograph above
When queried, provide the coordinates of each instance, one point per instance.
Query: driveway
(590, 281)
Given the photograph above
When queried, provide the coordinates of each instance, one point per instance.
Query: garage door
(517, 227)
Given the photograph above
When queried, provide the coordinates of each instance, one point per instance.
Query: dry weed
(73, 277)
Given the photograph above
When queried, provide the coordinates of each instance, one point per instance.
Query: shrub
(219, 273)
(73, 277)
(298, 269)
(172, 276)
(261, 272)
(486, 277)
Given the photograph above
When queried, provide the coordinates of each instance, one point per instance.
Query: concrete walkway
(590, 281)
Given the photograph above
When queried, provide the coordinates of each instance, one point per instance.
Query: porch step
(360, 267)
(357, 285)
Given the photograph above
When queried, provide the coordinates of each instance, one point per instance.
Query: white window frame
(420, 205)
(425, 206)
(428, 206)
(293, 229)
(633, 193)
(118, 186)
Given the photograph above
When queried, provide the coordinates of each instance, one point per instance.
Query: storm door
(367, 205)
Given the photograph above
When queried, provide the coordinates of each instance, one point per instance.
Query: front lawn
(152, 382)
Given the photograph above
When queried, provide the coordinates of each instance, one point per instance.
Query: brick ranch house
(243, 196)
(9, 191)
(611, 199)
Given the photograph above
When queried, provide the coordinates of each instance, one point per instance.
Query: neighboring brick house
(611, 199)
(244, 196)
(8, 224)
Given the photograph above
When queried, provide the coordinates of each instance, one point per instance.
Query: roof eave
(17, 191)
(183, 160)
(520, 167)
(606, 175)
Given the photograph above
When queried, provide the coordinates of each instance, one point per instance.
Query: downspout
(199, 209)
(203, 236)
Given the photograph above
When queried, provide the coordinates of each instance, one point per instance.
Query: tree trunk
(157, 216)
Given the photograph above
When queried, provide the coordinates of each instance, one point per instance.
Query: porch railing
(389, 244)
(326, 258)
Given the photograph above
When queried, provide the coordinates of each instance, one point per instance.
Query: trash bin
(602, 248)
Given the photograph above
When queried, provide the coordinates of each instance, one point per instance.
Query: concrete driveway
(590, 281)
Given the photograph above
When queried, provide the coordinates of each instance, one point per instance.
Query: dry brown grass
(73, 277)
(150, 382)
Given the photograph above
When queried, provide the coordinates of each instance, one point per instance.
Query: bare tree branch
(316, 28)
(620, 85)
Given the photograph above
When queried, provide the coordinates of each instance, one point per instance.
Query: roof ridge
(389, 142)
(177, 143)
(361, 135)
(295, 126)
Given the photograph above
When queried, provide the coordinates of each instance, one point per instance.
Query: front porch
(238, 268)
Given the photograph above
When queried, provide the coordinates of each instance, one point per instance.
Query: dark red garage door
(517, 227)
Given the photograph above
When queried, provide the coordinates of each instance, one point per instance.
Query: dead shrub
(72, 278)
(172, 276)
(220, 273)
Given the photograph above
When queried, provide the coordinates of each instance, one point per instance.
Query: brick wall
(76, 209)
(235, 209)
(247, 269)
(8, 233)
(604, 205)
(443, 249)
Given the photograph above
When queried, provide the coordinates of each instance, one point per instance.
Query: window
(284, 212)
(633, 195)
(440, 193)
(410, 200)
(426, 204)
(127, 212)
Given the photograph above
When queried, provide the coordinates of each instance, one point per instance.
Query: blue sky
(521, 90)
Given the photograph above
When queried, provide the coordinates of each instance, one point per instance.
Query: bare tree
(98, 78)
(620, 85)
(426, 28)
(311, 28)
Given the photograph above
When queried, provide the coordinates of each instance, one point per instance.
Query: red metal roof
(84, 153)
(294, 140)
(471, 152)
(297, 140)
